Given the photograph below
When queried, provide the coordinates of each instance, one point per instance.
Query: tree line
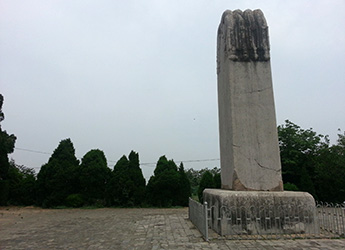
(66, 181)
(309, 163)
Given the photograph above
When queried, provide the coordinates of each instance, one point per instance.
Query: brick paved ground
(34, 228)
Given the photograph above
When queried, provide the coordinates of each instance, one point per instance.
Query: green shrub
(75, 200)
(290, 187)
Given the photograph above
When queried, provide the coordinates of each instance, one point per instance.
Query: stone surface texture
(249, 149)
(261, 212)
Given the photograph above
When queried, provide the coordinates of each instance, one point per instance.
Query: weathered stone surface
(261, 212)
(249, 148)
(245, 35)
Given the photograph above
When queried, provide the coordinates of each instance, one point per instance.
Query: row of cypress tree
(64, 181)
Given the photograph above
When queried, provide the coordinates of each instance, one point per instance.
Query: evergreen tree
(117, 192)
(127, 186)
(58, 178)
(206, 181)
(6, 147)
(137, 178)
(184, 187)
(94, 175)
(162, 187)
(169, 186)
(164, 165)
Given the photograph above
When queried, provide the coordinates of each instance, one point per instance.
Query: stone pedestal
(261, 212)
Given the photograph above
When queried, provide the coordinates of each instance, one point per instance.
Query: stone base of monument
(261, 212)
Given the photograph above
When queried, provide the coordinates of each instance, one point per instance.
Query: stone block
(261, 212)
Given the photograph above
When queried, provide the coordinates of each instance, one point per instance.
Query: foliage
(169, 186)
(217, 180)
(58, 178)
(310, 164)
(94, 175)
(4, 190)
(290, 187)
(184, 191)
(74, 200)
(127, 185)
(6, 147)
(207, 181)
(22, 185)
(330, 172)
(299, 150)
(194, 177)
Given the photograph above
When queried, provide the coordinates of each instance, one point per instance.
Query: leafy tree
(94, 176)
(207, 181)
(194, 180)
(127, 186)
(330, 172)
(22, 185)
(58, 178)
(310, 164)
(299, 150)
(194, 177)
(6, 147)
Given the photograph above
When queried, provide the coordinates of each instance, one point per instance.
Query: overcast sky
(141, 75)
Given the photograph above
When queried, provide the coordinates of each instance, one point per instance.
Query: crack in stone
(266, 167)
(259, 90)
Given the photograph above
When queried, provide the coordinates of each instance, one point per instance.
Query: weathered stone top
(243, 36)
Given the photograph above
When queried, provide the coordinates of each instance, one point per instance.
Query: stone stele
(249, 149)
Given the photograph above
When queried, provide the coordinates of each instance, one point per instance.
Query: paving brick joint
(120, 228)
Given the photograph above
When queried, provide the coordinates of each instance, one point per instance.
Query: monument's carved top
(244, 36)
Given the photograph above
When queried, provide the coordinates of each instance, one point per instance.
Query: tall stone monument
(249, 148)
(251, 176)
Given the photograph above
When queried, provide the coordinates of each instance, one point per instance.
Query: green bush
(290, 187)
(75, 200)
